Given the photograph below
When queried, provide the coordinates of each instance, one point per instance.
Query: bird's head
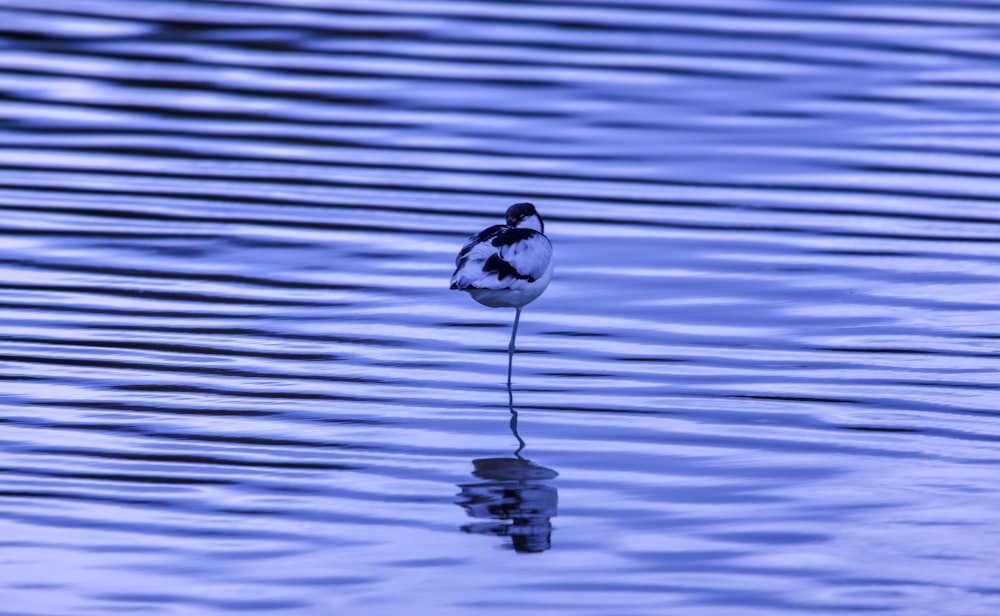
(524, 216)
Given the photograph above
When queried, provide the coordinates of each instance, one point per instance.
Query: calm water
(763, 381)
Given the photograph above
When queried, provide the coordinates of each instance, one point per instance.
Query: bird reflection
(512, 497)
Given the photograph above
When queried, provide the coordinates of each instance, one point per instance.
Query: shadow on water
(513, 496)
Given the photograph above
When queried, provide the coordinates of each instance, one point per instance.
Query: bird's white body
(506, 265)
(514, 296)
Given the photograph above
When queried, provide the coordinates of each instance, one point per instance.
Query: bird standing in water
(506, 265)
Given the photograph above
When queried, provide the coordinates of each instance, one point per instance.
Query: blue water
(763, 381)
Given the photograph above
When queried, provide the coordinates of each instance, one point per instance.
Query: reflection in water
(513, 496)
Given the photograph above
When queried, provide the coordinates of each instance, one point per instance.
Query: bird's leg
(510, 348)
(513, 334)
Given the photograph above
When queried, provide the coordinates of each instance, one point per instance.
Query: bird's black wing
(486, 235)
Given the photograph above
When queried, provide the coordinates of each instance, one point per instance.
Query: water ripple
(231, 367)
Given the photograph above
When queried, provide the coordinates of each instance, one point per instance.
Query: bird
(506, 266)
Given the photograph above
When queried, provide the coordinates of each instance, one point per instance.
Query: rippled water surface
(763, 380)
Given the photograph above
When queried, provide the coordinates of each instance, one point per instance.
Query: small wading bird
(506, 266)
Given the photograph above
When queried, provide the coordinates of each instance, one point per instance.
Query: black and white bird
(506, 266)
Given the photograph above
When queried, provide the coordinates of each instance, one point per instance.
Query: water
(763, 380)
